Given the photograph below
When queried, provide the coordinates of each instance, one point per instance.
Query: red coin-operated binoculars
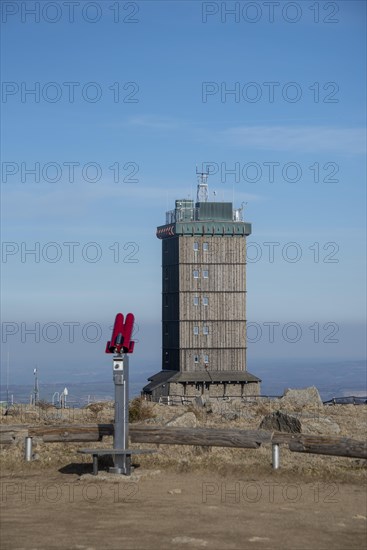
(121, 335)
(120, 345)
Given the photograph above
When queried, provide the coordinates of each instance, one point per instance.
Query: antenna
(7, 381)
(36, 387)
(202, 189)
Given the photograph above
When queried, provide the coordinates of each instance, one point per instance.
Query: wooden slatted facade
(204, 302)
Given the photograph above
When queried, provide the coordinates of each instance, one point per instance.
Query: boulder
(202, 404)
(281, 422)
(200, 401)
(321, 425)
(185, 420)
(307, 397)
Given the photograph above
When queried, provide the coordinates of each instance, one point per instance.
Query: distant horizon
(151, 370)
(330, 378)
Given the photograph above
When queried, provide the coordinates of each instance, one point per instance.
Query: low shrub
(139, 410)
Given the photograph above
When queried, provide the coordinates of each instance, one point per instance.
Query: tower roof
(203, 218)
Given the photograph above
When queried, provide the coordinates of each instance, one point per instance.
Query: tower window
(205, 247)
(196, 330)
(196, 358)
(206, 359)
(196, 247)
(205, 301)
(205, 273)
(196, 274)
(165, 300)
(205, 330)
(196, 300)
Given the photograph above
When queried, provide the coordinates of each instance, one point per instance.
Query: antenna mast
(202, 189)
(36, 387)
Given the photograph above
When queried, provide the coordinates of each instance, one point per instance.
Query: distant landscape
(333, 379)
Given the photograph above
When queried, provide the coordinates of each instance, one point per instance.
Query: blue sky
(168, 86)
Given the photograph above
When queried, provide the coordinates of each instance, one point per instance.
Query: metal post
(122, 463)
(36, 388)
(275, 456)
(95, 465)
(28, 449)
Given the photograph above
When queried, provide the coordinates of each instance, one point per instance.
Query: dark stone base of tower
(203, 303)
(182, 388)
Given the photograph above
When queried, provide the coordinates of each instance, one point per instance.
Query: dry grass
(140, 410)
(245, 463)
(44, 405)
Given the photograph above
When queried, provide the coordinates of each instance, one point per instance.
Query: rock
(185, 420)
(301, 398)
(203, 404)
(321, 425)
(281, 422)
(200, 401)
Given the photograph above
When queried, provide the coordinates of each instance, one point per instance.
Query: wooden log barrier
(328, 445)
(250, 439)
(12, 433)
(73, 432)
(216, 437)
(212, 437)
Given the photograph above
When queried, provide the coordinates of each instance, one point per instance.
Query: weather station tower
(203, 302)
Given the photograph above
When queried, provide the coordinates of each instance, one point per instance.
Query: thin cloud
(303, 139)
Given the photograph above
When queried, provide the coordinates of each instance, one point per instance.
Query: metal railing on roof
(188, 214)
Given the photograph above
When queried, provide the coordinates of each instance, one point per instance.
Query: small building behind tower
(203, 302)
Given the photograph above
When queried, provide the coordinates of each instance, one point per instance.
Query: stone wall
(214, 391)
